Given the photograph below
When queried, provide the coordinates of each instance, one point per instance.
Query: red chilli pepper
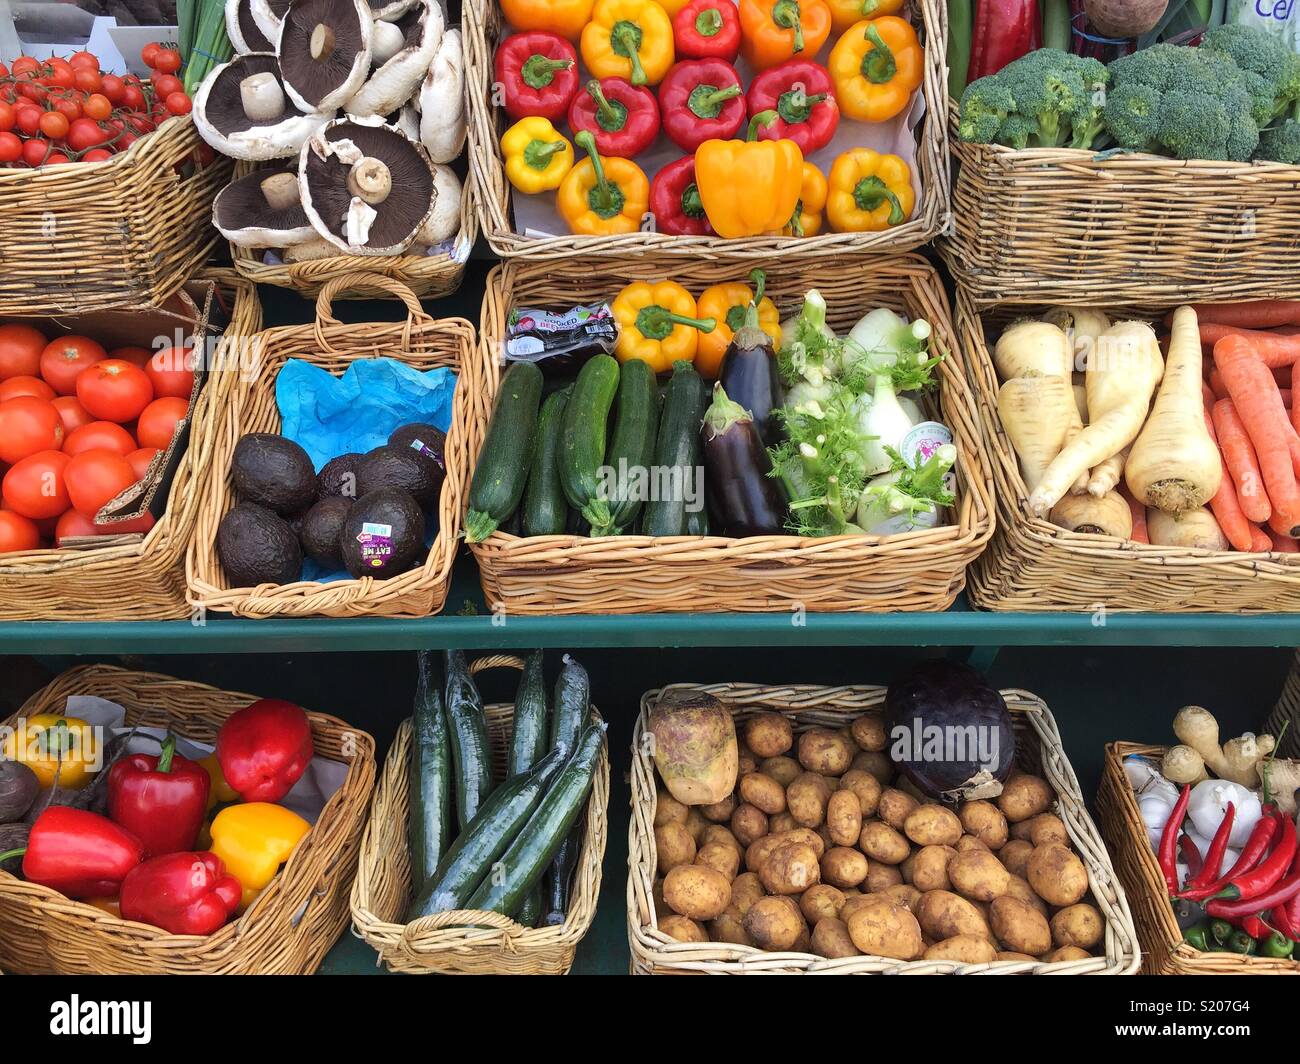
(538, 73)
(1214, 855)
(1190, 854)
(707, 29)
(623, 118)
(1281, 919)
(1260, 837)
(1259, 880)
(1004, 31)
(1237, 908)
(701, 99)
(675, 200)
(1169, 840)
(801, 94)
(183, 893)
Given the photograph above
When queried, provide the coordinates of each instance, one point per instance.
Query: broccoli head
(1016, 129)
(1131, 113)
(1263, 55)
(984, 105)
(1280, 144)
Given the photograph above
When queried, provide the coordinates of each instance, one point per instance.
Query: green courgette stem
(478, 526)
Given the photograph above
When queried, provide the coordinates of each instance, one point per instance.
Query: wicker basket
(496, 945)
(134, 577)
(420, 342)
(1038, 750)
(127, 231)
(1286, 714)
(1034, 565)
(291, 924)
(1163, 950)
(483, 25)
(919, 570)
(1064, 225)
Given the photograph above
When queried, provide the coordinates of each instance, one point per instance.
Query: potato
(720, 857)
(674, 845)
(781, 823)
(657, 898)
(844, 818)
(843, 867)
(1019, 927)
(930, 868)
(866, 787)
(785, 770)
(1057, 876)
(763, 792)
(826, 751)
(970, 842)
(830, 938)
(668, 808)
(791, 868)
(683, 929)
(696, 823)
(1024, 796)
(748, 823)
(819, 901)
(868, 732)
(807, 797)
(1042, 830)
(769, 734)
(881, 876)
(730, 927)
(1077, 925)
(904, 894)
(932, 825)
(720, 834)
(1066, 953)
(1010, 955)
(698, 891)
(775, 923)
(883, 928)
(1015, 855)
(944, 914)
(875, 763)
(807, 835)
(984, 821)
(905, 867)
(894, 807)
(803, 944)
(746, 889)
(978, 875)
(882, 843)
(719, 812)
(1018, 887)
(759, 850)
(852, 902)
(746, 763)
(968, 949)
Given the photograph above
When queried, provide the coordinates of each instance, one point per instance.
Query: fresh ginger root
(1182, 764)
(1283, 782)
(1237, 761)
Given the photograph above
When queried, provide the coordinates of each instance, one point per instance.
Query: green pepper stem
(759, 279)
(656, 323)
(537, 156)
(871, 192)
(708, 22)
(168, 752)
(588, 144)
(603, 107)
(719, 96)
(692, 205)
(539, 70)
(625, 35)
(796, 222)
(869, 7)
(763, 119)
(9, 855)
(786, 14)
(878, 65)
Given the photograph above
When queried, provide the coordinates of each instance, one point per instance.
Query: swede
(1107, 516)
(1035, 415)
(1192, 528)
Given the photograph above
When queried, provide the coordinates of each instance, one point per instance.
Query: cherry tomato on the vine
(149, 53)
(35, 151)
(97, 155)
(11, 148)
(167, 61)
(24, 64)
(165, 84)
(7, 117)
(28, 119)
(55, 124)
(179, 104)
(114, 88)
(69, 108)
(133, 97)
(86, 60)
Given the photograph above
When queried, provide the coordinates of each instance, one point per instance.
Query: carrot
(1283, 544)
(1258, 402)
(1243, 465)
(1207, 395)
(1139, 514)
(1272, 348)
(1261, 542)
(1255, 314)
(1225, 505)
(1217, 386)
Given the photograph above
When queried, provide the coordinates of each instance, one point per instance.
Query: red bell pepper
(707, 29)
(801, 94)
(624, 118)
(538, 73)
(183, 893)
(78, 853)
(701, 99)
(161, 799)
(264, 749)
(1004, 30)
(675, 200)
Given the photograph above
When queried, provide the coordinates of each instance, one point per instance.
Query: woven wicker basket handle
(361, 280)
(496, 661)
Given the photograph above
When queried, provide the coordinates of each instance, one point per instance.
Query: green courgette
(697, 520)
(530, 913)
(428, 825)
(503, 462)
(499, 821)
(582, 438)
(677, 452)
(471, 757)
(530, 739)
(545, 510)
(522, 865)
(572, 704)
(632, 443)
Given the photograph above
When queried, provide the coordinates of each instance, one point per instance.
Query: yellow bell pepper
(844, 13)
(630, 39)
(876, 66)
(221, 792)
(726, 304)
(254, 840)
(40, 742)
(657, 323)
(807, 217)
(537, 157)
(749, 187)
(565, 17)
(869, 192)
(601, 197)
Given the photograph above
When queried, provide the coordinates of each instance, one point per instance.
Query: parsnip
(1032, 349)
(1107, 516)
(1107, 475)
(1192, 528)
(1174, 465)
(1080, 398)
(1124, 368)
(1035, 414)
(1081, 324)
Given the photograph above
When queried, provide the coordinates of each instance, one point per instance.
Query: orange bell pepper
(876, 66)
(565, 17)
(603, 197)
(807, 217)
(749, 187)
(772, 31)
(726, 304)
(844, 13)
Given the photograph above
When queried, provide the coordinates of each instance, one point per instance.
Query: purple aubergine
(744, 499)
(749, 373)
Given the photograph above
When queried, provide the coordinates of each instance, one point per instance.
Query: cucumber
(530, 913)
(502, 468)
(523, 863)
(632, 443)
(678, 447)
(428, 826)
(485, 838)
(471, 757)
(582, 438)
(559, 877)
(697, 521)
(572, 705)
(545, 510)
(528, 743)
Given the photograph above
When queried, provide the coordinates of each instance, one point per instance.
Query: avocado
(257, 546)
(383, 534)
(322, 529)
(402, 468)
(338, 476)
(429, 441)
(274, 472)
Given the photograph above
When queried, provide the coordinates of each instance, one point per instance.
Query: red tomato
(70, 108)
(137, 356)
(28, 425)
(178, 104)
(11, 148)
(20, 351)
(165, 84)
(149, 53)
(171, 372)
(56, 158)
(6, 117)
(97, 106)
(167, 61)
(114, 88)
(84, 133)
(121, 528)
(35, 488)
(99, 436)
(60, 76)
(140, 461)
(64, 359)
(97, 155)
(158, 422)
(16, 386)
(114, 390)
(28, 119)
(84, 60)
(24, 64)
(96, 477)
(87, 80)
(55, 124)
(72, 414)
(17, 533)
(73, 525)
(36, 152)
(133, 97)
